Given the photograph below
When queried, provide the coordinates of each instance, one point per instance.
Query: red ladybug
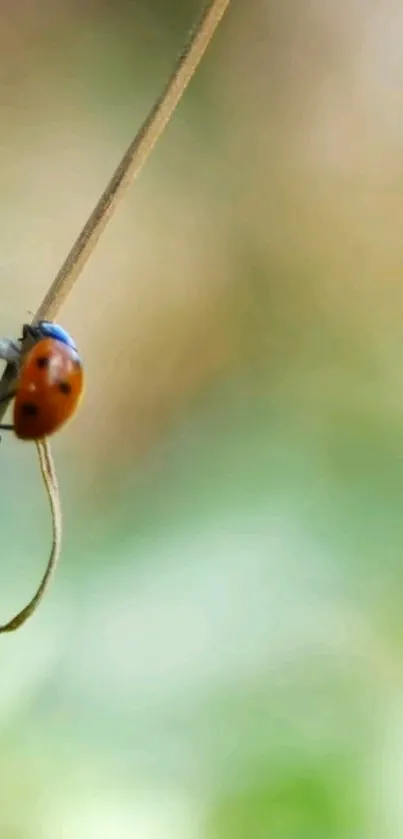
(50, 382)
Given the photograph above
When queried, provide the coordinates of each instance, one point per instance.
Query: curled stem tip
(50, 481)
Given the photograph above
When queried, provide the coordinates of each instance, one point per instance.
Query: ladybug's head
(47, 329)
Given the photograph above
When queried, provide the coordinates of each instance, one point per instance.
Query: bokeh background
(221, 653)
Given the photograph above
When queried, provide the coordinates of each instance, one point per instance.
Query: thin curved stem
(50, 481)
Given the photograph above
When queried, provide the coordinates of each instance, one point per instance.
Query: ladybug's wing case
(49, 389)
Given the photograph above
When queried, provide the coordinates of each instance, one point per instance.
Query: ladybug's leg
(29, 331)
(10, 350)
(6, 428)
(8, 396)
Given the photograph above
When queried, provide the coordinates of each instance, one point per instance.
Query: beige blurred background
(220, 655)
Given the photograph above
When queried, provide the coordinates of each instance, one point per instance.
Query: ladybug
(50, 382)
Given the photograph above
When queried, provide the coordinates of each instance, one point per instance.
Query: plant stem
(129, 167)
(134, 159)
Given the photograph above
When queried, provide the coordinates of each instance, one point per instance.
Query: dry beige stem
(52, 489)
(129, 167)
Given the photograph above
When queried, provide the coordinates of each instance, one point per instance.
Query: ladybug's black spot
(42, 361)
(65, 387)
(30, 409)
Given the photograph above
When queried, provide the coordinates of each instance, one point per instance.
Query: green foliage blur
(220, 654)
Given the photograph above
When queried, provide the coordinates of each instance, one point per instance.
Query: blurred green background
(220, 656)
